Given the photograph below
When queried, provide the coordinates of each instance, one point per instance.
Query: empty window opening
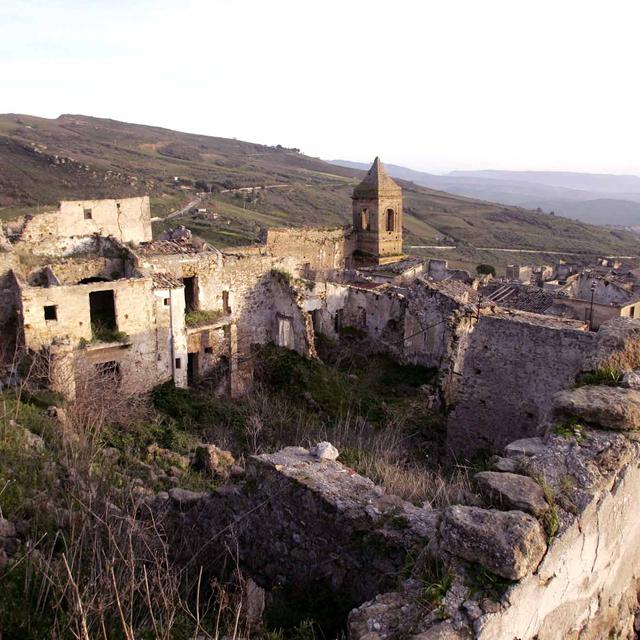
(632, 312)
(285, 332)
(192, 368)
(102, 308)
(208, 350)
(108, 371)
(316, 320)
(178, 363)
(337, 321)
(88, 214)
(190, 293)
(226, 307)
(166, 302)
(363, 318)
(50, 312)
(364, 220)
(391, 220)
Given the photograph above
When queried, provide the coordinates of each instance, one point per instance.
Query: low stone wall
(304, 524)
(580, 483)
(549, 547)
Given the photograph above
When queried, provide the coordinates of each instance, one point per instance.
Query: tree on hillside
(486, 269)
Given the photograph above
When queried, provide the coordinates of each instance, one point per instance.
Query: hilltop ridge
(73, 156)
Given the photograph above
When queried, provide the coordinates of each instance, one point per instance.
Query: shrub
(199, 317)
(103, 333)
(486, 269)
(603, 376)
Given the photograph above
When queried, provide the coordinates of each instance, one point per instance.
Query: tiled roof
(167, 247)
(520, 297)
(165, 281)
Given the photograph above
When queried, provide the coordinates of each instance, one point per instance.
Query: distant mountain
(595, 198)
(594, 182)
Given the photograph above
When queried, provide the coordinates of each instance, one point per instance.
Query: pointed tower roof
(377, 182)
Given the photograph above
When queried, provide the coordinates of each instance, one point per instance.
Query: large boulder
(512, 491)
(511, 544)
(607, 407)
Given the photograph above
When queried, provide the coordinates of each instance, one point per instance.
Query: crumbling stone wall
(8, 302)
(140, 314)
(317, 250)
(305, 525)
(425, 323)
(513, 365)
(256, 286)
(127, 219)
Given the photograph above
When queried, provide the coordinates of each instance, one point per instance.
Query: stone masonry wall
(127, 219)
(511, 368)
(317, 250)
(513, 365)
(303, 525)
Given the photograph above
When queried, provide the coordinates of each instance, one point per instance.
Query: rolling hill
(74, 156)
(604, 199)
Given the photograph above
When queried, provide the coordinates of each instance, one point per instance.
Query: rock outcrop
(512, 491)
(608, 407)
(508, 543)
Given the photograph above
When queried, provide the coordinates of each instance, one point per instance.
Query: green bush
(604, 376)
(199, 317)
(103, 333)
(486, 269)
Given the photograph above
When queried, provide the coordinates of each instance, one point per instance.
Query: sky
(434, 85)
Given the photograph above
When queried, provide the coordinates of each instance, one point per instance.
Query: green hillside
(43, 161)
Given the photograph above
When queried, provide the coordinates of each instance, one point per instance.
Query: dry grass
(97, 565)
(386, 455)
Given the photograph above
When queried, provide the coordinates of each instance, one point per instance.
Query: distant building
(518, 273)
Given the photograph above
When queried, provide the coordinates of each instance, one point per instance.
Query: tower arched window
(364, 220)
(391, 220)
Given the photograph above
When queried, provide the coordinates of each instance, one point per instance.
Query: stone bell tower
(377, 216)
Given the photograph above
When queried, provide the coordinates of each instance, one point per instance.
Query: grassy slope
(101, 158)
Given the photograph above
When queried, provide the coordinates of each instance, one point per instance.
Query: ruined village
(532, 372)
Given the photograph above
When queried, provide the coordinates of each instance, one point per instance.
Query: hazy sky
(431, 84)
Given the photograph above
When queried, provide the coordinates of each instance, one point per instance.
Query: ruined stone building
(89, 290)
(593, 294)
(87, 287)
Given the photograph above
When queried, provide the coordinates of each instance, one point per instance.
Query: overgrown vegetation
(81, 493)
(105, 333)
(370, 408)
(95, 565)
(570, 428)
(200, 317)
(608, 376)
